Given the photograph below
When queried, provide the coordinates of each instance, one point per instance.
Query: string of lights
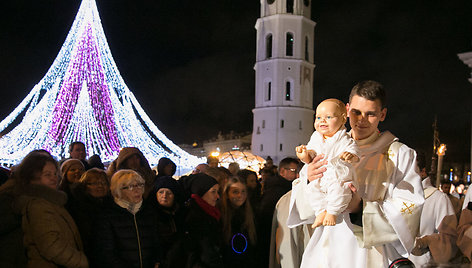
(83, 97)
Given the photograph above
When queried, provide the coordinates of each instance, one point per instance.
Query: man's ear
(347, 109)
(383, 114)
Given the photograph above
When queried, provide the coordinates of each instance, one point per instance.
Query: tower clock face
(270, 2)
(306, 2)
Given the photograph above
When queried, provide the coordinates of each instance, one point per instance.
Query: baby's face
(329, 118)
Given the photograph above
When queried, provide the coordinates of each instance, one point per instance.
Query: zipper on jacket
(139, 242)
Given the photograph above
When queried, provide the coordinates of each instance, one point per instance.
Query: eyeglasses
(97, 183)
(131, 187)
(291, 169)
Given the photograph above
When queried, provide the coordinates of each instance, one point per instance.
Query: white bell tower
(283, 116)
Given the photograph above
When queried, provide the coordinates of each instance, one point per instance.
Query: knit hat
(201, 183)
(68, 164)
(169, 183)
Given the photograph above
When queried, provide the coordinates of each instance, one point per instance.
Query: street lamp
(441, 153)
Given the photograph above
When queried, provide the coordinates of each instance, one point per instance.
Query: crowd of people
(83, 213)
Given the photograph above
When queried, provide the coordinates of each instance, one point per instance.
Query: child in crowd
(328, 196)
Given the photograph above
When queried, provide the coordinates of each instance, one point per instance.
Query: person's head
(218, 174)
(266, 173)
(167, 191)
(127, 185)
(421, 162)
(72, 170)
(95, 182)
(95, 162)
(235, 192)
(249, 178)
(132, 158)
(166, 167)
(366, 108)
(212, 161)
(37, 168)
(330, 116)
(288, 168)
(269, 162)
(200, 168)
(446, 186)
(77, 150)
(233, 168)
(235, 199)
(205, 187)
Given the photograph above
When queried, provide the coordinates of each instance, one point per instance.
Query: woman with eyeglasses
(88, 200)
(125, 233)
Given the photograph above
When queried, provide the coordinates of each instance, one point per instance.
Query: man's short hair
(285, 163)
(71, 146)
(370, 90)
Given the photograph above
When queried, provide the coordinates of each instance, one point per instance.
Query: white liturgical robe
(390, 187)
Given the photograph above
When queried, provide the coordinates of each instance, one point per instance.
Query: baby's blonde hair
(341, 107)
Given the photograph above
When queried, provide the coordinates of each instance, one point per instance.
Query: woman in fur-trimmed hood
(132, 158)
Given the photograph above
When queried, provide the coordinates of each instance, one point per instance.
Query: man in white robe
(387, 204)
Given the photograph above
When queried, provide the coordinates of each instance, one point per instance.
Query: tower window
(263, 123)
(289, 45)
(269, 46)
(268, 91)
(300, 125)
(258, 130)
(282, 122)
(281, 147)
(289, 6)
(307, 56)
(262, 147)
(288, 91)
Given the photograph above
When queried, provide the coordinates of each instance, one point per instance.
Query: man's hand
(316, 168)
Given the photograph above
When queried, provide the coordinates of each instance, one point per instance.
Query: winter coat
(51, 237)
(85, 209)
(122, 239)
(200, 245)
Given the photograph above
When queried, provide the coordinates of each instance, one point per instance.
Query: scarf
(209, 209)
(131, 207)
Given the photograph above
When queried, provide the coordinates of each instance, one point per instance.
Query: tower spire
(83, 97)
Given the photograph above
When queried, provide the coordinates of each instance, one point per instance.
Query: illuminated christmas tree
(83, 97)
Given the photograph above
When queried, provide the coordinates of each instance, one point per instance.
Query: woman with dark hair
(132, 158)
(125, 234)
(201, 247)
(51, 237)
(254, 187)
(239, 229)
(88, 200)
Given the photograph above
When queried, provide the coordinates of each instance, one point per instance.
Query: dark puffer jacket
(126, 240)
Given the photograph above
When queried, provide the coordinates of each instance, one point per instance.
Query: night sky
(190, 63)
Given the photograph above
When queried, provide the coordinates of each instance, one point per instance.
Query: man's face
(364, 116)
(78, 152)
(289, 173)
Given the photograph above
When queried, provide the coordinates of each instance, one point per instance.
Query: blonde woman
(126, 233)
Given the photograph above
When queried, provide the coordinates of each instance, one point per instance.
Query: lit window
(289, 44)
(288, 91)
(268, 91)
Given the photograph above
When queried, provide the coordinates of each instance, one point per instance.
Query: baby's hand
(303, 154)
(348, 157)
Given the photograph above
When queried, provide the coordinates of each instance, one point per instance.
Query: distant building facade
(283, 113)
(222, 143)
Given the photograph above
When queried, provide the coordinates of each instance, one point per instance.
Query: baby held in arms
(329, 195)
